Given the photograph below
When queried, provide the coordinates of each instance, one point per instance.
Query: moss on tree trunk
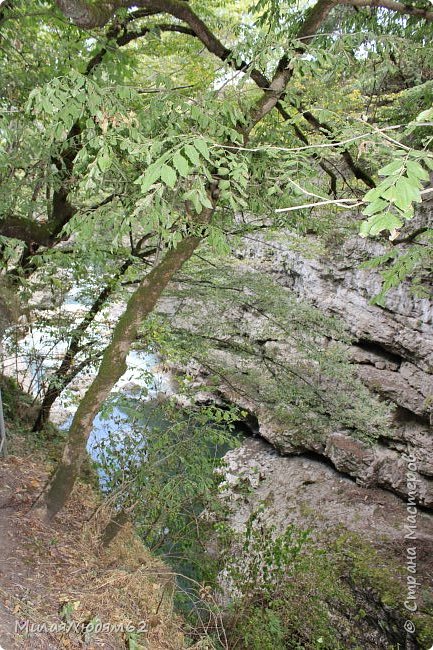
(113, 365)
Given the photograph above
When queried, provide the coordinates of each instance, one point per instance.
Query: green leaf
(392, 169)
(202, 147)
(193, 196)
(429, 162)
(417, 170)
(404, 193)
(168, 176)
(33, 98)
(375, 206)
(205, 201)
(376, 192)
(218, 242)
(151, 175)
(425, 115)
(192, 154)
(378, 223)
(181, 164)
(104, 161)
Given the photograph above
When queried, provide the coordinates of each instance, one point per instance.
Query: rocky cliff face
(332, 482)
(393, 349)
(393, 353)
(311, 495)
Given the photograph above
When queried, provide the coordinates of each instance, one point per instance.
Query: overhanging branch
(35, 233)
(97, 14)
(391, 5)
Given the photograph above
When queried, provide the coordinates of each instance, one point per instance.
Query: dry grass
(58, 573)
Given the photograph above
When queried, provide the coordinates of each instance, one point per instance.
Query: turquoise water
(141, 384)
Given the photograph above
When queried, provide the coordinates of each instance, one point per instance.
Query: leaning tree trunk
(113, 365)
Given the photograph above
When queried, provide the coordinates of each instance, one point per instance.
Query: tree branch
(33, 233)
(357, 171)
(270, 98)
(24, 229)
(399, 7)
(89, 15)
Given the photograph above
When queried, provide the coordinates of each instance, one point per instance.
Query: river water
(40, 351)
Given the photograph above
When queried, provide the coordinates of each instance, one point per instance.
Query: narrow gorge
(216, 325)
(333, 483)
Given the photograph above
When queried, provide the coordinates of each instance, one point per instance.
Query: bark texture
(113, 365)
(143, 301)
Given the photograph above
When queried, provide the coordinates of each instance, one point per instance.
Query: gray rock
(392, 348)
(395, 387)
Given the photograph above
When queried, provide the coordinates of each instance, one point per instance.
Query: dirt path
(21, 590)
(58, 575)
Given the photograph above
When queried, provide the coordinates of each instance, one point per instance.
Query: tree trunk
(113, 365)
